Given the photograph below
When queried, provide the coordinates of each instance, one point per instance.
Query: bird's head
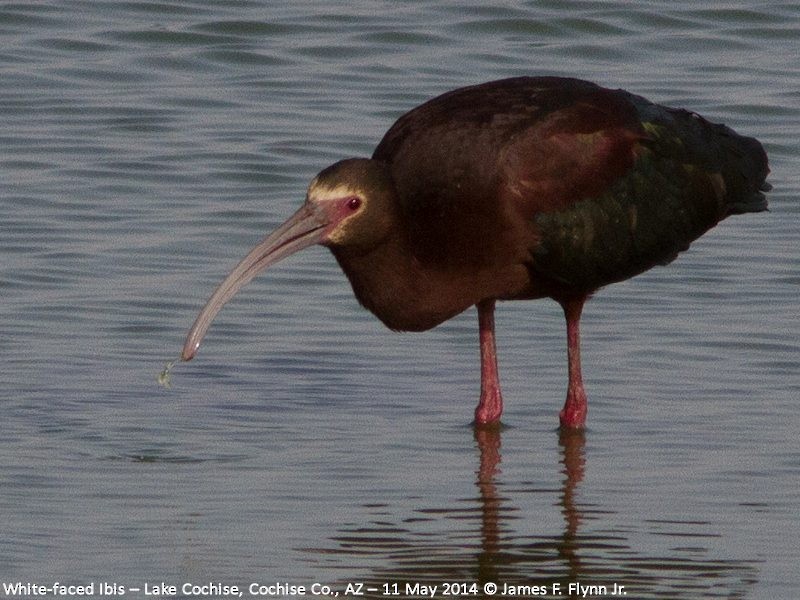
(348, 205)
(355, 197)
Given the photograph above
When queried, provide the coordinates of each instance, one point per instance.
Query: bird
(516, 189)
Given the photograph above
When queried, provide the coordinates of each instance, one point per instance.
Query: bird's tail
(757, 202)
(740, 160)
(746, 169)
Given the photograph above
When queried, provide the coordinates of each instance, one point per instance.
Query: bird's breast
(408, 294)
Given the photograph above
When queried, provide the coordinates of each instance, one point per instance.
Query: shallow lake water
(146, 146)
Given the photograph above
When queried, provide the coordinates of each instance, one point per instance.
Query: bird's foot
(573, 415)
(489, 409)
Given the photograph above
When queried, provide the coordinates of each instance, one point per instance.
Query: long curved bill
(302, 229)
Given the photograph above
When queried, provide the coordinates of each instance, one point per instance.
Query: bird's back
(586, 185)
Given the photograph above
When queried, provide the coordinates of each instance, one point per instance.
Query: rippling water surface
(145, 146)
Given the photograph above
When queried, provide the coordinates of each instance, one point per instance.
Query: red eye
(354, 203)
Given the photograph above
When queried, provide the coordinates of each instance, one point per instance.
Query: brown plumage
(516, 189)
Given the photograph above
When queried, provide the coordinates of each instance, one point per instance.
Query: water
(147, 145)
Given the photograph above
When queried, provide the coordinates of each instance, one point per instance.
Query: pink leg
(573, 415)
(490, 406)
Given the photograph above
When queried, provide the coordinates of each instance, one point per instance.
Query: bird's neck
(404, 293)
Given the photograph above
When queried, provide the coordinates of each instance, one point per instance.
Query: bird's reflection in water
(480, 540)
(488, 440)
(573, 461)
(571, 444)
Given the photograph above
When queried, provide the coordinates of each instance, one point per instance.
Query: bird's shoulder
(589, 138)
(545, 140)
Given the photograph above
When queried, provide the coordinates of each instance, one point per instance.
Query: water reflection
(572, 445)
(488, 440)
(478, 540)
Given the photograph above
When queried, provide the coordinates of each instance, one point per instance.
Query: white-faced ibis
(517, 189)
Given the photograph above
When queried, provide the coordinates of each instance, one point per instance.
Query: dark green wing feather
(688, 174)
